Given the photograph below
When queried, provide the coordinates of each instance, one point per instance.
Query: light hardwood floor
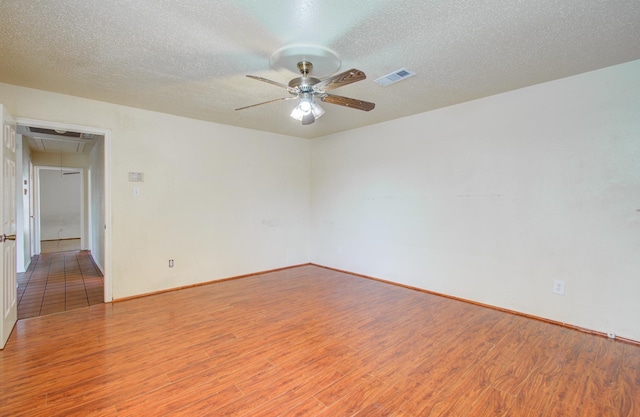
(308, 341)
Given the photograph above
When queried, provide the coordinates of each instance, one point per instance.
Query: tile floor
(56, 282)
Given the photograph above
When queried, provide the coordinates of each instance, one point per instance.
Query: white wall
(96, 189)
(60, 204)
(493, 199)
(219, 200)
(23, 219)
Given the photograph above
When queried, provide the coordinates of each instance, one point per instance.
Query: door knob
(4, 238)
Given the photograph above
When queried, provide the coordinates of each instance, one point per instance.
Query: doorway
(61, 164)
(61, 276)
(61, 206)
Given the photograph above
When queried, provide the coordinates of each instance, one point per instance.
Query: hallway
(56, 282)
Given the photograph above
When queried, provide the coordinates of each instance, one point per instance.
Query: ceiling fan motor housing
(305, 83)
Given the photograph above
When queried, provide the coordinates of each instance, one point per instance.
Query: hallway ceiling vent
(58, 132)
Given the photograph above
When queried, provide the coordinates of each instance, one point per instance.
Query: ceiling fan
(307, 90)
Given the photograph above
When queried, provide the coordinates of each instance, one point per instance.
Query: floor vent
(394, 77)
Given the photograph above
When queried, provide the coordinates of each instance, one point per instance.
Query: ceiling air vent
(394, 77)
(63, 133)
(55, 132)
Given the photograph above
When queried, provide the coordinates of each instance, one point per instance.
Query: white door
(8, 287)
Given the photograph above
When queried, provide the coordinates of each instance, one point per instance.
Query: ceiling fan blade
(339, 80)
(266, 80)
(267, 102)
(348, 102)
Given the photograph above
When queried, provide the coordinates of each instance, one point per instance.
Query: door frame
(106, 133)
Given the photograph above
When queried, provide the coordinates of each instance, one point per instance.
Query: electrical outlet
(611, 335)
(558, 287)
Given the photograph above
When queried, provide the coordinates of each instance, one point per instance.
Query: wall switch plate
(558, 286)
(136, 177)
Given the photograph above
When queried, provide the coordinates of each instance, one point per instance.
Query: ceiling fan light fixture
(297, 113)
(316, 109)
(307, 111)
(304, 106)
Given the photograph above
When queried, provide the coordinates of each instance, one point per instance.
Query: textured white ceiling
(189, 57)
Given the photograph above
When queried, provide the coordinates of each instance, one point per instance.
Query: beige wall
(57, 159)
(97, 218)
(219, 200)
(23, 216)
(493, 199)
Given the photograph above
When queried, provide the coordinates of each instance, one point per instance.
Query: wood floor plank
(392, 400)
(308, 407)
(357, 400)
(604, 379)
(533, 397)
(492, 402)
(569, 395)
(342, 387)
(310, 341)
(174, 396)
(292, 399)
(277, 387)
(208, 405)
